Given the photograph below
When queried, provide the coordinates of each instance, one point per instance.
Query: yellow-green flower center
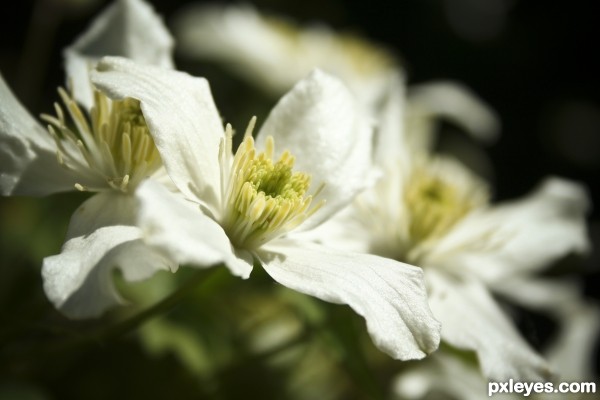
(110, 149)
(437, 196)
(405, 219)
(434, 206)
(265, 198)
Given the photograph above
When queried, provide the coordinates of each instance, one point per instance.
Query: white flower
(570, 354)
(429, 210)
(274, 53)
(250, 205)
(104, 148)
(127, 28)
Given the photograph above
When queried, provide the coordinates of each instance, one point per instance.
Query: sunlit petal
(128, 28)
(388, 294)
(28, 161)
(180, 230)
(182, 118)
(78, 281)
(320, 122)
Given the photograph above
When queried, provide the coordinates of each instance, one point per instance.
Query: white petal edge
(182, 118)
(180, 230)
(543, 294)
(457, 103)
(578, 320)
(442, 372)
(391, 143)
(325, 129)
(572, 352)
(472, 320)
(28, 164)
(513, 238)
(103, 209)
(273, 53)
(78, 281)
(127, 28)
(239, 37)
(388, 294)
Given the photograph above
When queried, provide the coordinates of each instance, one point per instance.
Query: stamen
(263, 199)
(112, 148)
(438, 195)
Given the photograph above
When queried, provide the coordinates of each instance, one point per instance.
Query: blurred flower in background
(429, 210)
(210, 335)
(273, 53)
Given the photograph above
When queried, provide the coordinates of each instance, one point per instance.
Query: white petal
(519, 237)
(182, 118)
(343, 231)
(442, 372)
(180, 230)
(545, 295)
(458, 104)
(239, 37)
(572, 352)
(128, 28)
(323, 127)
(388, 294)
(78, 281)
(103, 209)
(579, 322)
(391, 141)
(407, 125)
(28, 164)
(471, 320)
(273, 53)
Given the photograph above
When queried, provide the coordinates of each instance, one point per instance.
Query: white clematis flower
(570, 354)
(105, 148)
(274, 53)
(310, 158)
(127, 28)
(429, 210)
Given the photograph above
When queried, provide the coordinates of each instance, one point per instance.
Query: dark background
(534, 62)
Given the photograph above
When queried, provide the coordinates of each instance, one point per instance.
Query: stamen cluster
(438, 195)
(112, 147)
(264, 199)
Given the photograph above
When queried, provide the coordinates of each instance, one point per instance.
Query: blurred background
(533, 62)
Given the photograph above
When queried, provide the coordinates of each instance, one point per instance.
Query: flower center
(110, 149)
(264, 199)
(437, 196)
(405, 222)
